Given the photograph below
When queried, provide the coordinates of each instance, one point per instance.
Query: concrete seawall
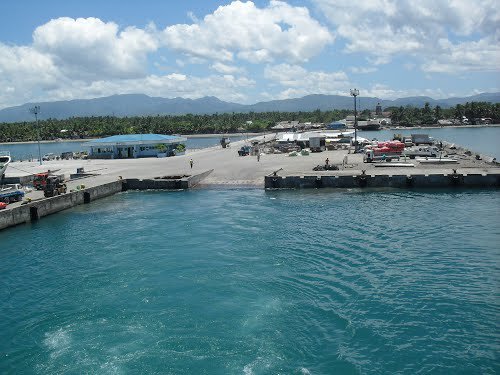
(38, 209)
(35, 210)
(486, 180)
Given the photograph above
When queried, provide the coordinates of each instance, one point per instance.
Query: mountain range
(143, 105)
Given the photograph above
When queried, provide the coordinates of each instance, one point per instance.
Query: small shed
(317, 144)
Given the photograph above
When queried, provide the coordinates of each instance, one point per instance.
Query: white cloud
(251, 33)
(25, 72)
(87, 57)
(384, 28)
(226, 69)
(483, 55)
(363, 70)
(90, 48)
(385, 92)
(297, 81)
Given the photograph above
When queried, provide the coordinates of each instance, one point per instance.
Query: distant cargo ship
(369, 125)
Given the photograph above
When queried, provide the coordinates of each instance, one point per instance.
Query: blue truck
(11, 194)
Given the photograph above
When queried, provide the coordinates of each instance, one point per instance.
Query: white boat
(5, 160)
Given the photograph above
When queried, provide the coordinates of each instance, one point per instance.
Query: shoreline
(93, 139)
(218, 135)
(439, 127)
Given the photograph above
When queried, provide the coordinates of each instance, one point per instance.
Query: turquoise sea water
(254, 282)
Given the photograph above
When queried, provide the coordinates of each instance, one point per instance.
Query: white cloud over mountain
(296, 81)
(245, 52)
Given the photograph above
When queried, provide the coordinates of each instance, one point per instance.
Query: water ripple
(232, 281)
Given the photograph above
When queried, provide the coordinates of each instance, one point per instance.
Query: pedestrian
(258, 155)
(191, 163)
(327, 161)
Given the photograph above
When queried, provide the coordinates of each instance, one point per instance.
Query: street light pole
(355, 93)
(35, 110)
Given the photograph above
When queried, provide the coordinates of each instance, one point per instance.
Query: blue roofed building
(128, 146)
(336, 125)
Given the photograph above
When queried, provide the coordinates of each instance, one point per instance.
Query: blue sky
(247, 52)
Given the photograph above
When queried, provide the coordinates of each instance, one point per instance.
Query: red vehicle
(40, 180)
(3, 206)
(384, 151)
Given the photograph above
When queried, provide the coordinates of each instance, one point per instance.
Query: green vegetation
(412, 116)
(96, 127)
(161, 147)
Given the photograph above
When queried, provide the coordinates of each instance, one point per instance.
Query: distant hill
(120, 106)
(142, 105)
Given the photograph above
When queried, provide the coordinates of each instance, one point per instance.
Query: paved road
(231, 169)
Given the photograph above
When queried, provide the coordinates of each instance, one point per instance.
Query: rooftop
(137, 139)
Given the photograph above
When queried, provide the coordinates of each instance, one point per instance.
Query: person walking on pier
(191, 163)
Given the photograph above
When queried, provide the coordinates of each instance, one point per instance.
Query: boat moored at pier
(5, 160)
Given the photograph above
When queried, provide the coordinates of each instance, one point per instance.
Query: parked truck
(225, 142)
(422, 139)
(374, 155)
(317, 144)
(40, 179)
(383, 151)
(54, 186)
(11, 194)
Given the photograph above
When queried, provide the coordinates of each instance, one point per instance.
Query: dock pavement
(230, 169)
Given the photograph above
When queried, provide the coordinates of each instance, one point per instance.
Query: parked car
(48, 157)
(244, 151)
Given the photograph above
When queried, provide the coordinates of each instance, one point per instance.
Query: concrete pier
(165, 183)
(35, 210)
(484, 180)
(38, 209)
(223, 166)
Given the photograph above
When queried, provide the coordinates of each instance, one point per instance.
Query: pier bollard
(34, 213)
(362, 180)
(275, 182)
(86, 197)
(456, 178)
(319, 182)
(409, 181)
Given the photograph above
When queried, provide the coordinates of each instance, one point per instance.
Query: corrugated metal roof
(137, 138)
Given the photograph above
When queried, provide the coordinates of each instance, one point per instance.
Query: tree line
(101, 126)
(473, 111)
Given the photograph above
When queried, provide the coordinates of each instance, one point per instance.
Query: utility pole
(35, 110)
(355, 93)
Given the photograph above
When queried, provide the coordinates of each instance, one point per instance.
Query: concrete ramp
(174, 182)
